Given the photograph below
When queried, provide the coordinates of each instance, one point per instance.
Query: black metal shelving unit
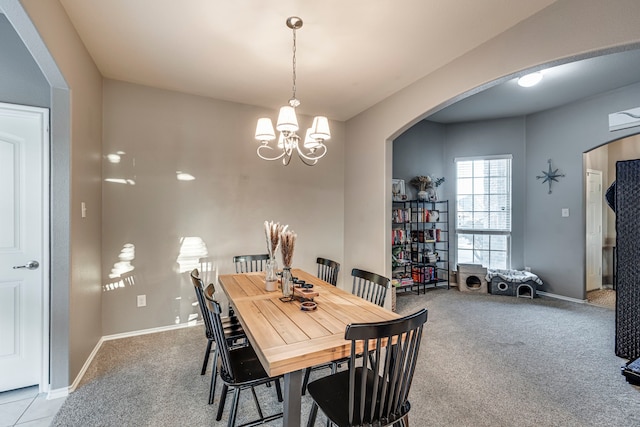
(420, 245)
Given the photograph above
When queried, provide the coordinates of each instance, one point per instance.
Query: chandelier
(312, 148)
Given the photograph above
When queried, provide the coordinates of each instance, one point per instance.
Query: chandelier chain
(294, 64)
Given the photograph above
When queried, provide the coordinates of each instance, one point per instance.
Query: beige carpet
(602, 298)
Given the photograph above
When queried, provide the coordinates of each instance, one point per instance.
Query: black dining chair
(328, 270)
(370, 286)
(367, 285)
(240, 369)
(375, 393)
(233, 331)
(250, 263)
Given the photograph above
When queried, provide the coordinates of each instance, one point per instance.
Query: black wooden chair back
(250, 263)
(199, 288)
(397, 363)
(240, 368)
(370, 286)
(232, 330)
(328, 270)
(375, 393)
(215, 318)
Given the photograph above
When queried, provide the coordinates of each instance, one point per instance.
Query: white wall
(232, 195)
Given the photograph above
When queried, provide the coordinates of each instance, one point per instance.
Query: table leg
(292, 399)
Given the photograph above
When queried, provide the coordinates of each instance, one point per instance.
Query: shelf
(424, 238)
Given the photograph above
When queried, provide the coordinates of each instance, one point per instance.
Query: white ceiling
(351, 53)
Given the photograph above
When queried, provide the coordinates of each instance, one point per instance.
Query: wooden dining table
(287, 339)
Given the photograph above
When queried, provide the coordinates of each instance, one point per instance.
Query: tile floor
(26, 408)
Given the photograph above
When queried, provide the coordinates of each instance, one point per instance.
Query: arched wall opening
(429, 148)
(369, 135)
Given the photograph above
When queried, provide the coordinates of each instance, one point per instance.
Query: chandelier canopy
(313, 147)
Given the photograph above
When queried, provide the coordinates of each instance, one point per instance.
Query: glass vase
(287, 282)
(271, 275)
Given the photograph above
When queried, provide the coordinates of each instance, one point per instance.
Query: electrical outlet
(565, 212)
(527, 269)
(142, 300)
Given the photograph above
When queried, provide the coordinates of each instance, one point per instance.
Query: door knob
(31, 265)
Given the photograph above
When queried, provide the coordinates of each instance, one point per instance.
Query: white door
(594, 229)
(23, 239)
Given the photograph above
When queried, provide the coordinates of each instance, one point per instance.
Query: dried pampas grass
(287, 241)
(272, 231)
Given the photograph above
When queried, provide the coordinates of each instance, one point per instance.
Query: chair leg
(312, 415)
(223, 399)
(279, 390)
(305, 381)
(206, 358)
(255, 400)
(234, 407)
(214, 376)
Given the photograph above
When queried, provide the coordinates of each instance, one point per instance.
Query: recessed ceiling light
(530, 79)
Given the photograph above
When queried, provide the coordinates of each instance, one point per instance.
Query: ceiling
(560, 85)
(351, 54)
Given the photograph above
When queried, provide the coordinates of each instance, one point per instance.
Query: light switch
(83, 208)
(565, 212)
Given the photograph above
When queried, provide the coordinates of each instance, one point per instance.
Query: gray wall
(21, 81)
(430, 147)
(419, 151)
(233, 193)
(494, 137)
(555, 245)
(552, 245)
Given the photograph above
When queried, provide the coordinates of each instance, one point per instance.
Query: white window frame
(489, 232)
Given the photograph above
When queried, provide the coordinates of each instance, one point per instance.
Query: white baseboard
(76, 382)
(149, 331)
(87, 362)
(562, 297)
(58, 393)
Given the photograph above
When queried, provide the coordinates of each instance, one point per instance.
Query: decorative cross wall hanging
(550, 175)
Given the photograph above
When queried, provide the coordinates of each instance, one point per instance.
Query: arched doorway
(604, 158)
(559, 131)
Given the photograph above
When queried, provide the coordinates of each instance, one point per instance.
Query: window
(483, 207)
